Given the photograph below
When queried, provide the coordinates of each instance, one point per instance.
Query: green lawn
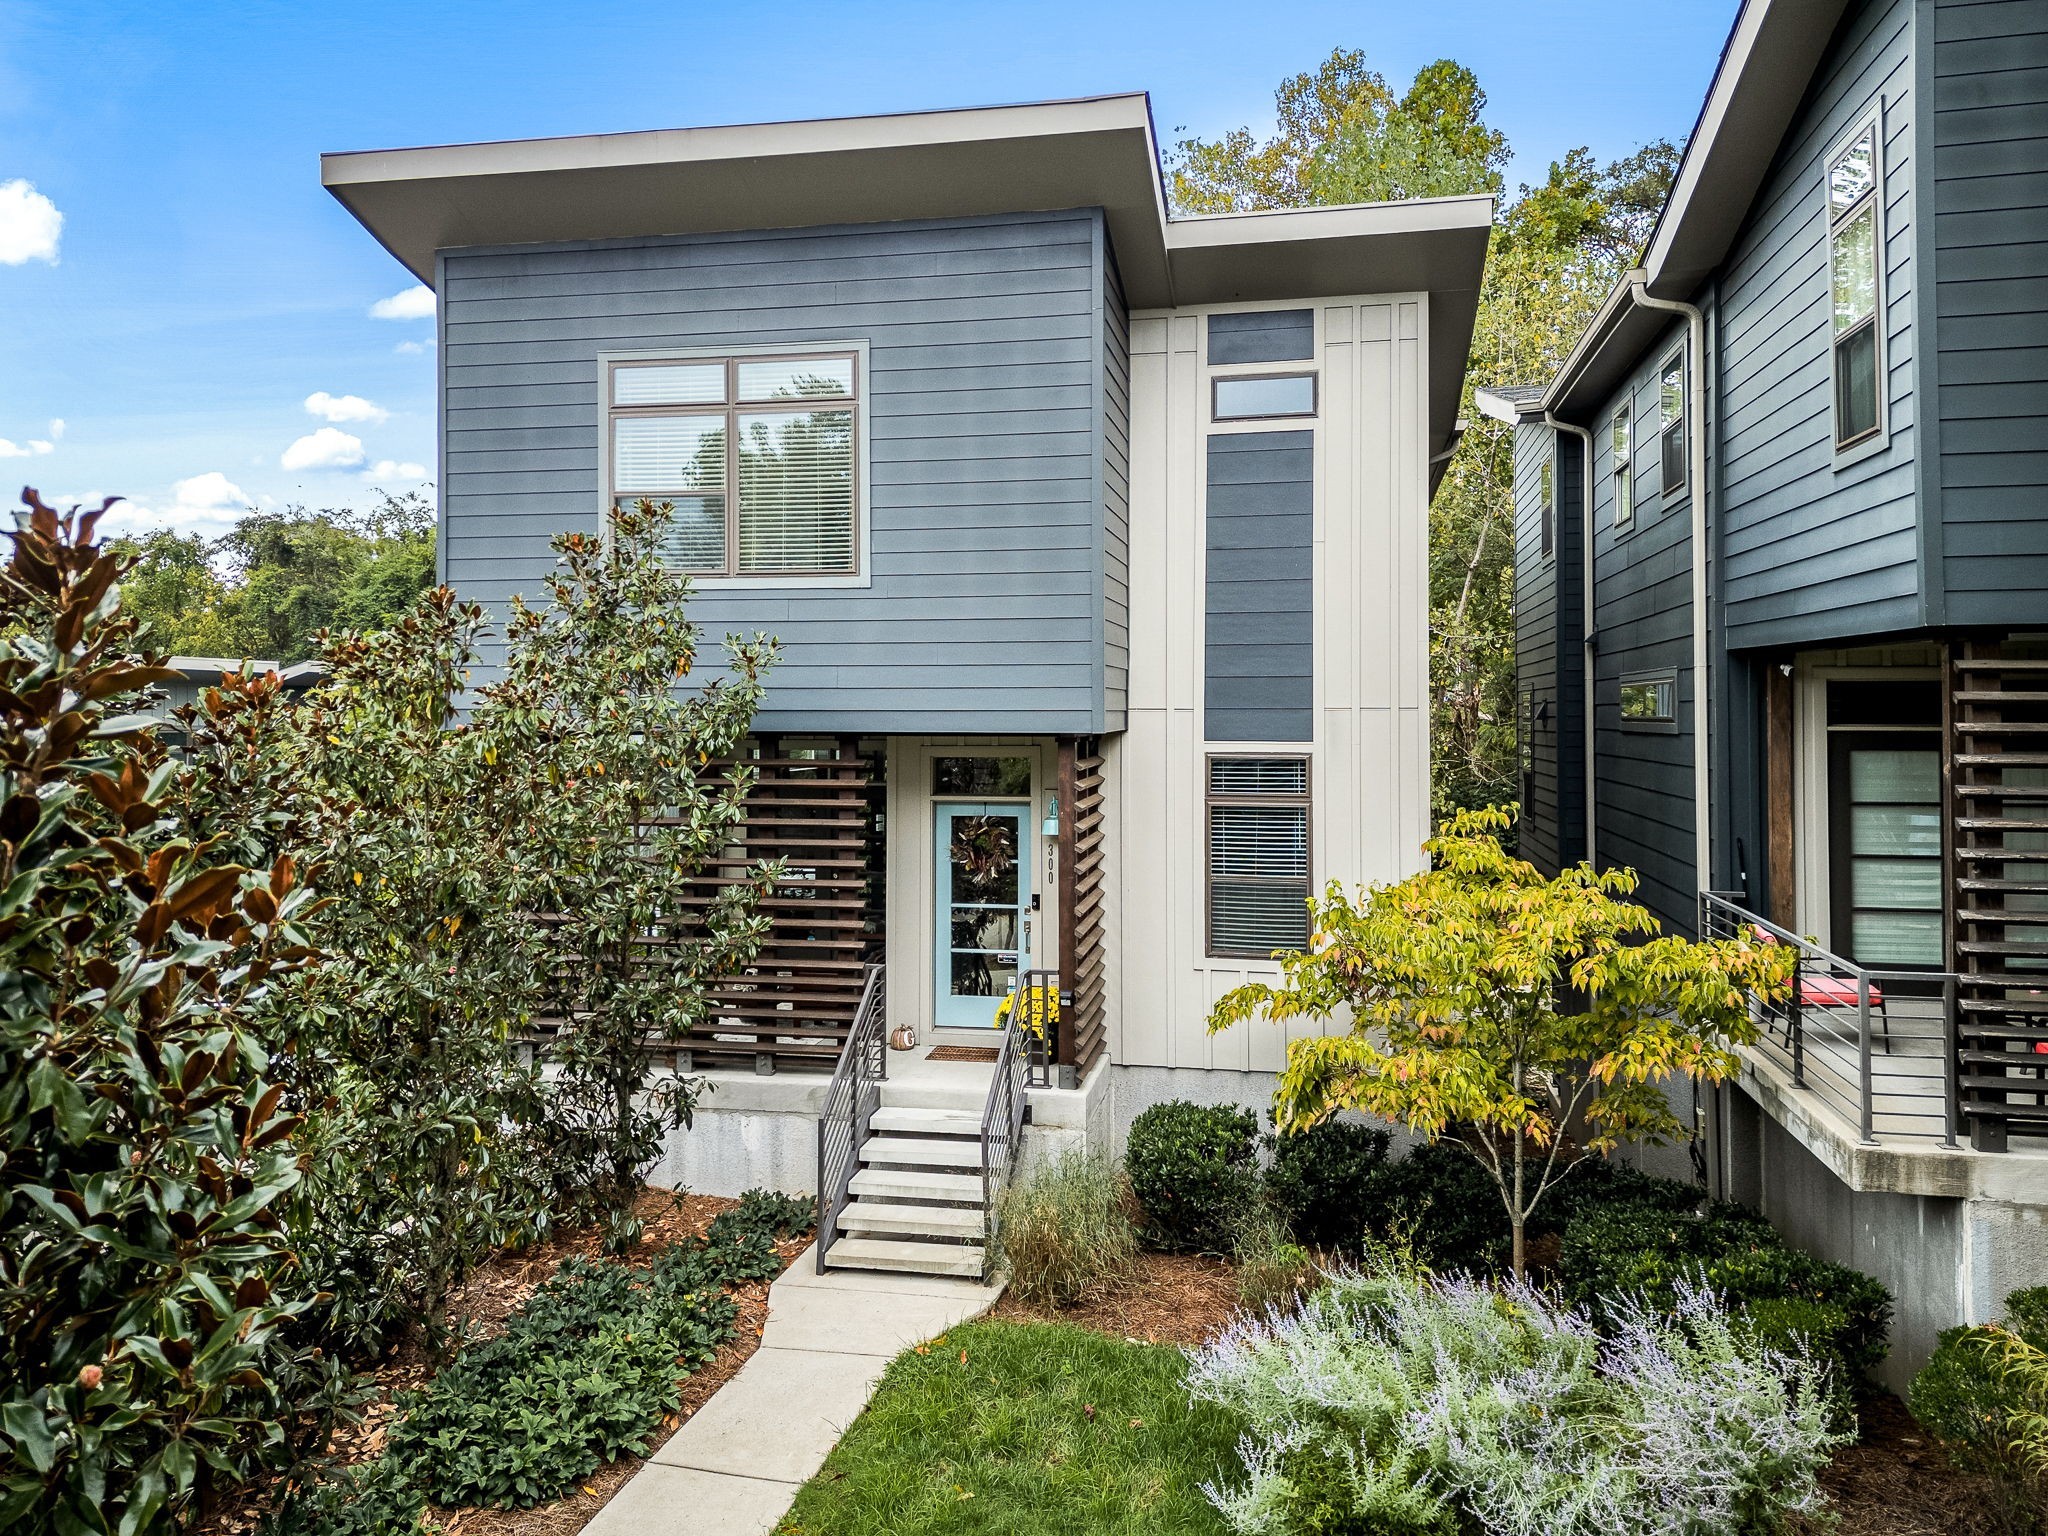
(1044, 1428)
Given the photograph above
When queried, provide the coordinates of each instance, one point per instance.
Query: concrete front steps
(918, 1203)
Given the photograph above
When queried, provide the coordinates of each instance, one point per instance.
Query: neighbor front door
(982, 921)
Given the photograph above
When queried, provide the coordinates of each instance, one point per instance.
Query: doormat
(961, 1053)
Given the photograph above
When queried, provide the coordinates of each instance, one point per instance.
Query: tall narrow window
(1546, 508)
(756, 455)
(1258, 855)
(1671, 421)
(1855, 260)
(1622, 454)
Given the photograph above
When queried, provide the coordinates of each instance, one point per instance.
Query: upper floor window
(1546, 503)
(1622, 458)
(1260, 396)
(1855, 259)
(1671, 421)
(756, 454)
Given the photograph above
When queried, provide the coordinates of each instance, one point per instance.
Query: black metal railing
(1036, 1007)
(850, 1103)
(1002, 1129)
(1875, 1047)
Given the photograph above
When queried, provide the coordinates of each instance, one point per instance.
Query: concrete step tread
(917, 1184)
(929, 1122)
(924, 1220)
(912, 1258)
(920, 1151)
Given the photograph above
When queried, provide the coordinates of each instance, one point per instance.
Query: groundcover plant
(1399, 1404)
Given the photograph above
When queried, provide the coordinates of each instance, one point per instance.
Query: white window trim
(863, 573)
(1626, 409)
(1675, 358)
(1872, 122)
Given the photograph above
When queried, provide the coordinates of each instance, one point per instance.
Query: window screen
(1622, 462)
(1671, 422)
(1258, 859)
(755, 455)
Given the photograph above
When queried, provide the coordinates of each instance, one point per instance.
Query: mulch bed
(491, 1295)
(1168, 1298)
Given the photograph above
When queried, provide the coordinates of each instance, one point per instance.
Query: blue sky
(197, 333)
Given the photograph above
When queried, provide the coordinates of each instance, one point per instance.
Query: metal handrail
(852, 1098)
(1825, 1020)
(1036, 1005)
(1002, 1129)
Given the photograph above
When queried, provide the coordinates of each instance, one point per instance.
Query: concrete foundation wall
(750, 1133)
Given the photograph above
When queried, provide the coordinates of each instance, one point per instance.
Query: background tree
(602, 696)
(268, 587)
(146, 1295)
(1343, 136)
(1531, 1022)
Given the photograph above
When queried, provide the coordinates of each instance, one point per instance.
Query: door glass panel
(1896, 883)
(1892, 880)
(1900, 829)
(983, 975)
(1905, 774)
(1001, 776)
(984, 860)
(1896, 938)
(984, 928)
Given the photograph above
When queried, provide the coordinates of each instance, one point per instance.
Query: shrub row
(1984, 1394)
(581, 1373)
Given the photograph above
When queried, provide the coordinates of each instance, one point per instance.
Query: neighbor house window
(1546, 503)
(755, 454)
(1671, 421)
(1855, 254)
(1649, 699)
(1622, 454)
(1256, 396)
(1258, 854)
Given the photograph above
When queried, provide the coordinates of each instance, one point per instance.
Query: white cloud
(29, 224)
(208, 504)
(56, 429)
(35, 447)
(344, 407)
(413, 348)
(385, 471)
(212, 492)
(415, 303)
(327, 448)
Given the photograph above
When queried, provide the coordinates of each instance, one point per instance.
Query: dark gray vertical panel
(1258, 655)
(984, 608)
(1547, 692)
(1262, 336)
(1990, 201)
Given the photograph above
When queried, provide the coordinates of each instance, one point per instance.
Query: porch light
(1050, 827)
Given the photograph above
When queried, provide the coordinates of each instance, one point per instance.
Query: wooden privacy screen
(1084, 897)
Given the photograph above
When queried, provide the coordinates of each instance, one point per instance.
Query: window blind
(796, 490)
(1258, 854)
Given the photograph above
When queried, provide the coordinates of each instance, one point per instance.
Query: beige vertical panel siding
(1369, 760)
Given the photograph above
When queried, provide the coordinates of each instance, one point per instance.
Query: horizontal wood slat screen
(797, 1002)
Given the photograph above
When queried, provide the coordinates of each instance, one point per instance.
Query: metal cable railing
(1879, 1057)
(850, 1103)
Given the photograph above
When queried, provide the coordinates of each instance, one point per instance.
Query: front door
(982, 925)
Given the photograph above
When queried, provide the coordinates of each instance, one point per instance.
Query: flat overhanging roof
(1098, 152)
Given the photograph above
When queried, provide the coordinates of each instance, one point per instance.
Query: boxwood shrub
(1194, 1172)
(1327, 1182)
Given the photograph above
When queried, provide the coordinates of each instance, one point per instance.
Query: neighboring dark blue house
(1808, 441)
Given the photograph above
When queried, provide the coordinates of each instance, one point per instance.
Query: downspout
(1696, 478)
(1585, 438)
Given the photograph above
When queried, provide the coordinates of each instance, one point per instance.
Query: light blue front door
(981, 925)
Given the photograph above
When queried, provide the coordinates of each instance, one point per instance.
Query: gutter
(1696, 472)
(1586, 643)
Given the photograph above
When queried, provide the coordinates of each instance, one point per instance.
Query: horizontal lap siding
(1990, 199)
(1814, 552)
(1642, 620)
(1116, 498)
(1547, 665)
(1258, 656)
(994, 455)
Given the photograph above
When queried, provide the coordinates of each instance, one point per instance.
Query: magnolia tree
(1532, 1022)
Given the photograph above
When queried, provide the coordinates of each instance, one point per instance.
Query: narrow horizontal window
(1257, 855)
(1671, 422)
(1649, 699)
(757, 458)
(1622, 464)
(1250, 397)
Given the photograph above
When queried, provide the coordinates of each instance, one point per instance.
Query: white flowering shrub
(1415, 1407)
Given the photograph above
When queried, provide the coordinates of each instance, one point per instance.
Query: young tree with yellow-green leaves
(1342, 135)
(1530, 1021)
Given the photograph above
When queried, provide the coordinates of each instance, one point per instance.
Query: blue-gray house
(1095, 540)
(1782, 588)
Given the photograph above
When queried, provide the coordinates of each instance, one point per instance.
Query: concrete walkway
(735, 1466)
